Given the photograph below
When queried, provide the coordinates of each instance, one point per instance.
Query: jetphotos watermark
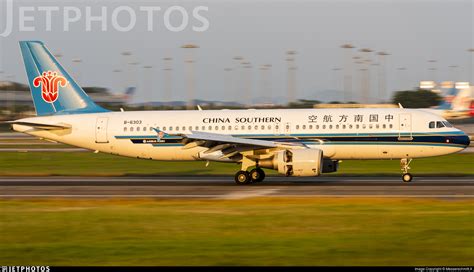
(100, 18)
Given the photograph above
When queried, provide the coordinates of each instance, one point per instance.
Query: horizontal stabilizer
(42, 126)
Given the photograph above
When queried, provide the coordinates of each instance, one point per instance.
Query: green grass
(87, 163)
(260, 231)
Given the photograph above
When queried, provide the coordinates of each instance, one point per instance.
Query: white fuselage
(339, 133)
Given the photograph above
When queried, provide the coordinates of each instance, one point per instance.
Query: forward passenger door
(404, 128)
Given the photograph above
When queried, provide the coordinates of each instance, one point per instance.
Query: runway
(224, 187)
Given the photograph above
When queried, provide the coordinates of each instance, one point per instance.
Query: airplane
(295, 142)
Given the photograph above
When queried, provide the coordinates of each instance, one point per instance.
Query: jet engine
(298, 162)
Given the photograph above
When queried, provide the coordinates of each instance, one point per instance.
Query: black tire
(242, 177)
(407, 177)
(257, 175)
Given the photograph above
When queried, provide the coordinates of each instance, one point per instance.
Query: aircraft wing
(229, 145)
(221, 138)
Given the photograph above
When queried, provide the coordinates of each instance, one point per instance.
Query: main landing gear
(245, 177)
(405, 165)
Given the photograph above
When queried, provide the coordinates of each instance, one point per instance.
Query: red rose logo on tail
(50, 82)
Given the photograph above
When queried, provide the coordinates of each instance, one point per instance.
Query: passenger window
(256, 127)
(343, 126)
(243, 127)
(357, 126)
(177, 128)
(370, 126)
(125, 129)
(277, 127)
(391, 126)
(203, 128)
(377, 126)
(171, 128)
(138, 128)
(249, 127)
(350, 126)
(216, 127)
(297, 126)
(230, 127)
(131, 128)
(439, 124)
(337, 126)
(317, 126)
(263, 127)
(432, 125)
(330, 126)
(324, 126)
(269, 126)
(384, 126)
(210, 127)
(304, 126)
(310, 126)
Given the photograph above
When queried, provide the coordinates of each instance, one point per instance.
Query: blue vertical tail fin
(53, 90)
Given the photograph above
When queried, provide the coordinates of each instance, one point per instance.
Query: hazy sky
(413, 32)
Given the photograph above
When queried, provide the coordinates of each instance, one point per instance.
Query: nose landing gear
(405, 165)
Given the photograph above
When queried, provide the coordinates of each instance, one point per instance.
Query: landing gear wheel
(407, 177)
(405, 164)
(257, 175)
(242, 177)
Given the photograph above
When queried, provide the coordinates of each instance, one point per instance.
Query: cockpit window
(447, 124)
(432, 124)
(439, 124)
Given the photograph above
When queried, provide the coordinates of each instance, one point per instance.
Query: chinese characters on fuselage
(356, 118)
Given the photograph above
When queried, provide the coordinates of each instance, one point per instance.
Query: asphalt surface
(225, 188)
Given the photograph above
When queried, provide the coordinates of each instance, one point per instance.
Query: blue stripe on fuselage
(260, 136)
(453, 138)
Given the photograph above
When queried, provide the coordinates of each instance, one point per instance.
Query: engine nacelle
(298, 162)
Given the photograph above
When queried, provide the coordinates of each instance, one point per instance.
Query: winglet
(400, 106)
(160, 134)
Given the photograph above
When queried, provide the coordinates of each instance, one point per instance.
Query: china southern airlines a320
(295, 142)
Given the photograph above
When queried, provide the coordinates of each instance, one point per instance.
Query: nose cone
(464, 140)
